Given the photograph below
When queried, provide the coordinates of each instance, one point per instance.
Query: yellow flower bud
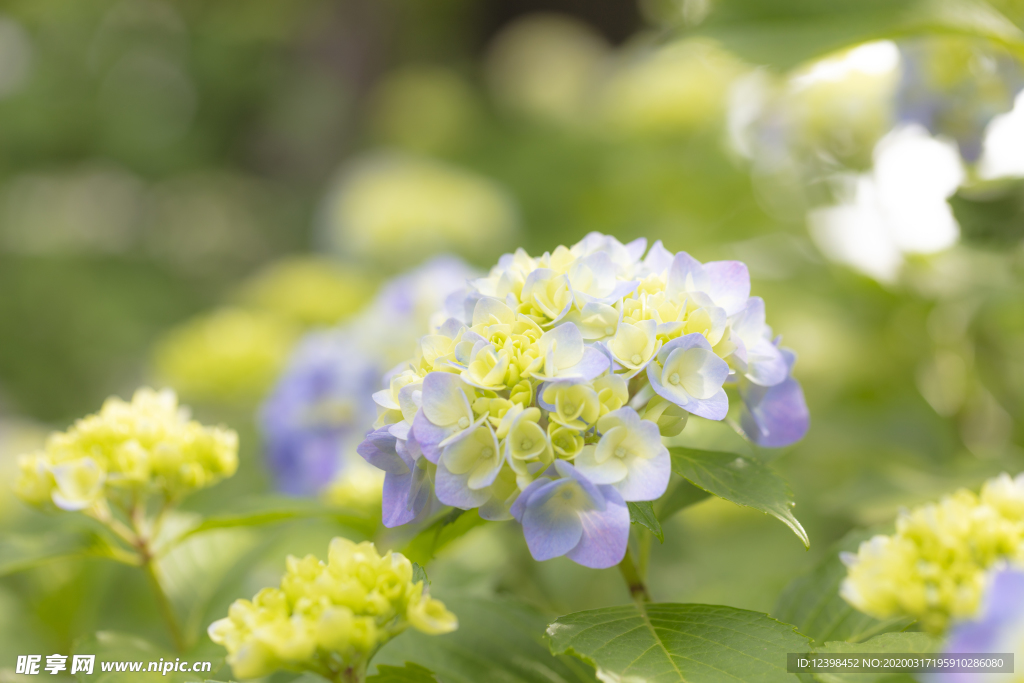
(670, 418)
(328, 615)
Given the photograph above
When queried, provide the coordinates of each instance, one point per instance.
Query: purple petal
(647, 478)
(428, 435)
(453, 489)
(380, 450)
(551, 529)
(774, 416)
(729, 284)
(605, 533)
(765, 364)
(594, 363)
(686, 275)
(395, 508)
(519, 507)
(714, 408)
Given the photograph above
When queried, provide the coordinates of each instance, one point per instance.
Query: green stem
(637, 588)
(166, 608)
(644, 552)
(353, 674)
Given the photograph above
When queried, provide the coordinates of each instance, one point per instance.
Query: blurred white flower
(899, 208)
(1003, 152)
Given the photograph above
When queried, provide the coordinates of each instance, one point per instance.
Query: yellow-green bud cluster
(146, 446)
(934, 567)
(329, 617)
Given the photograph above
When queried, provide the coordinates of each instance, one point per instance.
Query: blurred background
(188, 188)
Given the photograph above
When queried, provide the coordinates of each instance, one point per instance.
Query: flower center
(620, 452)
(635, 359)
(570, 408)
(486, 452)
(609, 331)
(463, 422)
(673, 378)
(526, 445)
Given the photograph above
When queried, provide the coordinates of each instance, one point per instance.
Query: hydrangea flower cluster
(546, 396)
(329, 617)
(321, 406)
(146, 446)
(934, 568)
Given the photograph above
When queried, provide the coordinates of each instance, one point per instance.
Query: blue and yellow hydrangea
(546, 394)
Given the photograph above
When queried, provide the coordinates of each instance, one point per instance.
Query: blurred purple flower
(999, 627)
(319, 410)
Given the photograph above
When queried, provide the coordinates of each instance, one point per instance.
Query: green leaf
(497, 640)
(21, 552)
(192, 572)
(812, 603)
(784, 33)
(419, 574)
(109, 646)
(273, 510)
(885, 643)
(447, 528)
(682, 496)
(410, 673)
(740, 479)
(991, 214)
(670, 643)
(642, 513)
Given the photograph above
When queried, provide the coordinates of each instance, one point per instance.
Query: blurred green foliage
(154, 154)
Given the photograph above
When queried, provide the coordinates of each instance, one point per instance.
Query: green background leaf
(410, 673)
(784, 33)
(884, 643)
(740, 479)
(112, 646)
(497, 640)
(812, 603)
(669, 643)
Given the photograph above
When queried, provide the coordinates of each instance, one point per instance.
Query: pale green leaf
(886, 643)
(785, 33)
(498, 640)
(739, 479)
(812, 603)
(675, 643)
(109, 646)
(274, 510)
(19, 552)
(642, 513)
(410, 673)
(419, 574)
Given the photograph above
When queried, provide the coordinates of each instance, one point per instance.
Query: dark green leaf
(410, 673)
(812, 603)
(642, 513)
(784, 33)
(674, 643)
(497, 640)
(740, 479)
(885, 643)
(991, 214)
(450, 526)
(419, 574)
(683, 495)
